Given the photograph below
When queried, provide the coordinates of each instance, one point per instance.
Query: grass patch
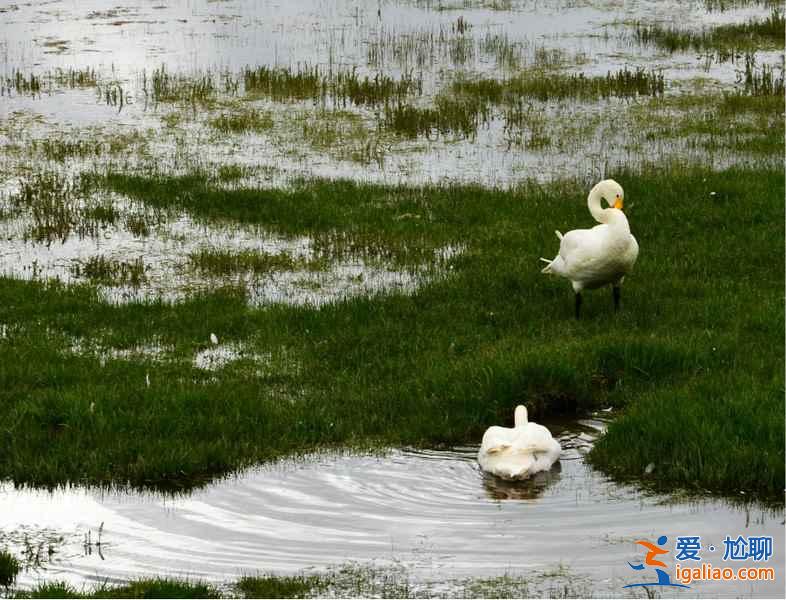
(624, 83)
(102, 270)
(143, 588)
(9, 569)
(342, 87)
(60, 149)
(164, 87)
(449, 116)
(733, 123)
(723, 5)
(435, 367)
(343, 135)
(345, 581)
(222, 262)
(58, 206)
(423, 49)
(32, 84)
(243, 121)
(272, 586)
(466, 104)
(724, 39)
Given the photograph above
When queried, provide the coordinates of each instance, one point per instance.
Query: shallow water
(193, 36)
(126, 42)
(433, 514)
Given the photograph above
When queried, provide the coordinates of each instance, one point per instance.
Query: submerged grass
(242, 121)
(9, 569)
(103, 270)
(347, 581)
(33, 84)
(459, 110)
(143, 588)
(221, 262)
(162, 86)
(724, 39)
(59, 205)
(341, 87)
(733, 123)
(435, 367)
(624, 83)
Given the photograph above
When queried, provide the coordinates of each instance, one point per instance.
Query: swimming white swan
(519, 452)
(592, 258)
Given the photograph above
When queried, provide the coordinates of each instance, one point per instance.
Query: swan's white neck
(600, 214)
(520, 416)
(610, 216)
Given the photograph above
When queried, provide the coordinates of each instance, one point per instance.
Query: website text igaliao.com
(706, 572)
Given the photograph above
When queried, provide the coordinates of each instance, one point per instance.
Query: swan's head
(612, 193)
(520, 416)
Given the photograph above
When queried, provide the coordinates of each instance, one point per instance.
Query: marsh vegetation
(362, 236)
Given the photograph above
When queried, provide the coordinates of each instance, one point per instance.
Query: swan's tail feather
(558, 234)
(545, 260)
(547, 268)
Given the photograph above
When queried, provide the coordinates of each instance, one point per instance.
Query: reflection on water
(529, 489)
(433, 513)
(388, 38)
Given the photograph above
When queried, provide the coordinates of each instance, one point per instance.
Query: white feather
(591, 258)
(518, 452)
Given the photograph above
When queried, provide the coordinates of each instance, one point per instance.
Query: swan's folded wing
(535, 438)
(575, 241)
(498, 449)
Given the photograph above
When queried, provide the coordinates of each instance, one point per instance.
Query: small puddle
(431, 512)
(157, 264)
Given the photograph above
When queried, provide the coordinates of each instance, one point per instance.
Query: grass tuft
(102, 270)
(726, 40)
(222, 262)
(9, 569)
(242, 121)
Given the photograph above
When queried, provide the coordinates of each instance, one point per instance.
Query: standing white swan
(519, 452)
(603, 255)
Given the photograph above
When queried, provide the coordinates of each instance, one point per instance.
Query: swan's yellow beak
(618, 202)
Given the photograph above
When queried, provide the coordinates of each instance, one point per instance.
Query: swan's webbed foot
(578, 304)
(615, 291)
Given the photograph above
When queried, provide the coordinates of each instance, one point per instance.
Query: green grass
(725, 39)
(9, 569)
(540, 85)
(436, 367)
(272, 586)
(58, 206)
(347, 581)
(466, 104)
(144, 588)
(33, 84)
(732, 124)
(343, 87)
(722, 5)
(162, 86)
(61, 149)
(242, 121)
(102, 270)
(88, 145)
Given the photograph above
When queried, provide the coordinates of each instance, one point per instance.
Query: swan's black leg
(615, 290)
(578, 304)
